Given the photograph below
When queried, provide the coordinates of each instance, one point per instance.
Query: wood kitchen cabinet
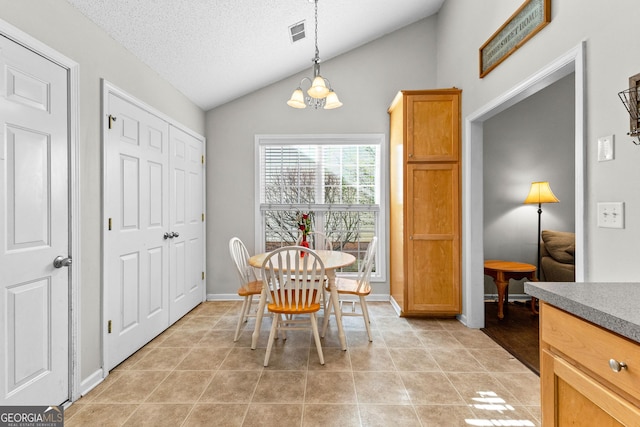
(425, 208)
(578, 377)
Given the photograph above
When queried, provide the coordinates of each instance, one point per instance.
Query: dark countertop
(613, 306)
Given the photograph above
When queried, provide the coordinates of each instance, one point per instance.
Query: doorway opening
(473, 225)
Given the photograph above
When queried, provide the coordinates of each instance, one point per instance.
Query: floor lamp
(540, 193)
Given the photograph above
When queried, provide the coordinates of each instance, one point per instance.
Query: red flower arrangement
(304, 224)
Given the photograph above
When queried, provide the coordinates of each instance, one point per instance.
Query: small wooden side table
(502, 272)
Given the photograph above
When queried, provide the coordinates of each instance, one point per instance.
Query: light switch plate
(605, 148)
(611, 214)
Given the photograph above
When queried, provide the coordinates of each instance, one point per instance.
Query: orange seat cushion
(285, 308)
(350, 286)
(252, 288)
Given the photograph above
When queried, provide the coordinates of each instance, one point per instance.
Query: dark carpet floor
(517, 332)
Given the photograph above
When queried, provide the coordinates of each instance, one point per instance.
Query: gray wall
(60, 26)
(437, 52)
(366, 79)
(611, 254)
(531, 141)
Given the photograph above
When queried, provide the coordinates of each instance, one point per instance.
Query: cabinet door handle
(617, 366)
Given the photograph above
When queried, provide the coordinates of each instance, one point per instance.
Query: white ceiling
(215, 51)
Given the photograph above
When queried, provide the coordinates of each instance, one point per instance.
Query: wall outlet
(611, 215)
(605, 148)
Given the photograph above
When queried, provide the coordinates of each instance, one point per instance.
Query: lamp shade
(332, 101)
(540, 192)
(318, 88)
(297, 99)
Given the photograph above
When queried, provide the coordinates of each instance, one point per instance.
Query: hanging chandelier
(320, 94)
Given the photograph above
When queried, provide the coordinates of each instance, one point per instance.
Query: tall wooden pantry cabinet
(425, 216)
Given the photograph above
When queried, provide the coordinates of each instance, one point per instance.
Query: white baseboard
(235, 297)
(223, 297)
(395, 305)
(91, 382)
(462, 318)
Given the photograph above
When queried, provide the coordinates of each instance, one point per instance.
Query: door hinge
(109, 326)
(203, 159)
(203, 275)
(111, 120)
(110, 222)
(202, 217)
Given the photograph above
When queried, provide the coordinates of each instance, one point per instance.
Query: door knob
(176, 234)
(61, 261)
(167, 236)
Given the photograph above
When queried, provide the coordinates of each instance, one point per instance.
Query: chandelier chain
(317, 58)
(320, 94)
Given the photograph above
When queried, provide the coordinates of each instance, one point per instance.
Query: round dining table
(332, 261)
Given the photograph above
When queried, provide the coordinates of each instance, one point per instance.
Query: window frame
(378, 139)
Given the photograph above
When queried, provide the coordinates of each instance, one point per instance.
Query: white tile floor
(416, 372)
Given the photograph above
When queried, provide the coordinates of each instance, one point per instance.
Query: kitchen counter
(613, 306)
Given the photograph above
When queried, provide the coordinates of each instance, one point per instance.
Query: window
(337, 179)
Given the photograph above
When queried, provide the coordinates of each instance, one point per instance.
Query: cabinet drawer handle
(617, 366)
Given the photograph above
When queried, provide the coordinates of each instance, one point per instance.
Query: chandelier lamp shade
(320, 94)
(540, 193)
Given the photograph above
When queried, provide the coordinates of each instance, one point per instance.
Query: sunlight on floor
(490, 401)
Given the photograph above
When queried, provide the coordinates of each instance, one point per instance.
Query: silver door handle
(176, 234)
(167, 236)
(61, 261)
(171, 235)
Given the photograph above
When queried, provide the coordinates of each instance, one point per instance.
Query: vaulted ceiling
(215, 51)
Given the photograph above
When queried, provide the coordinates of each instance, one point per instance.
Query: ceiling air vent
(296, 31)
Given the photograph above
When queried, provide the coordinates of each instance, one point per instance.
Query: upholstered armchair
(557, 256)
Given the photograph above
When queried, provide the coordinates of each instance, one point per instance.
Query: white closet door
(186, 282)
(154, 237)
(34, 228)
(137, 212)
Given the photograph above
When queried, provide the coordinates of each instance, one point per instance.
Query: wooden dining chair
(293, 280)
(250, 284)
(360, 287)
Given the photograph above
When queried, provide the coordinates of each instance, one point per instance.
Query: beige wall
(60, 26)
(366, 80)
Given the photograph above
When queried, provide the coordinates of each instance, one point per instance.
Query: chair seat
(350, 286)
(290, 308)
(251, 288)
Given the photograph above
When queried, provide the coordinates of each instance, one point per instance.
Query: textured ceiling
(215, 51)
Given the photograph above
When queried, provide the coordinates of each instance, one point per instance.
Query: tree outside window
(337, 184)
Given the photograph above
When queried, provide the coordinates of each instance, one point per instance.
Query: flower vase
(304, 243)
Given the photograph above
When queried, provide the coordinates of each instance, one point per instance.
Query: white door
(34, 228)
(136, 214)
(186, 283)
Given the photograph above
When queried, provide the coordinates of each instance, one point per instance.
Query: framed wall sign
(525, 23)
